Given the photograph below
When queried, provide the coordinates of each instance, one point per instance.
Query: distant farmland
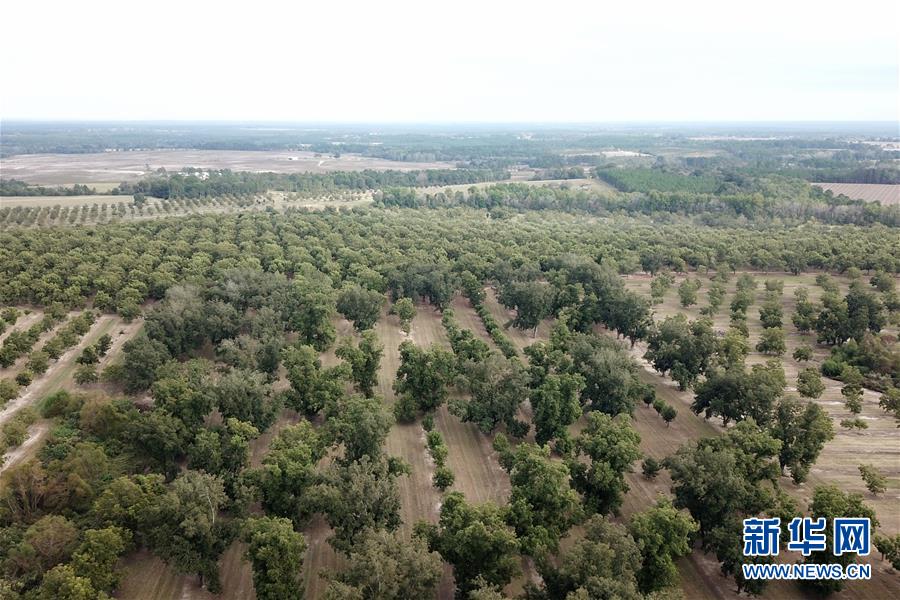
(102, 167)
(870, 192)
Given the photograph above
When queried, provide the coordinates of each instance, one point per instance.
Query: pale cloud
(450, 61)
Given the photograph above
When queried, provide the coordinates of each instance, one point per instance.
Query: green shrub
(428, 422)
(55, 404)
(650, 467)
(443, 478)
(9, 389)
(832, 368)
(24, 378)
(434, 439)
(14, 433)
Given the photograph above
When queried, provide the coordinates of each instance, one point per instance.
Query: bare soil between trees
(480, 478)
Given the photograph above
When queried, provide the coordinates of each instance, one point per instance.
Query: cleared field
(870, 192)
(106, 167)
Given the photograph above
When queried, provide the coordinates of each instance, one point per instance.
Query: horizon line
(439, 122)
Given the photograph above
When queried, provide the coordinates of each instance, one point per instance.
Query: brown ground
(870, 192)
(700, 575)
(107, 167)
(479, 476)
(59, 376)
(23, 322)
(521, 339)
(879, 445)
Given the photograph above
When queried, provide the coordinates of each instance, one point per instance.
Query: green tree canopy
(364, 360)
(803, 429)
(663, 534)
(275, 552)
(361, 424)
(542, 505)
(475, 540)
(360, 305)
(497, 386)
(386, 566)
(605, 450)
(681, 348)
(358, 497)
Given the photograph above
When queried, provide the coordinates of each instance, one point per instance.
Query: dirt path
(471, 457)
(36, 434)
(419, 500)
(57, 372)
(478, 474)
(121, 332)
(61, 378)
(22, 323)
(521, 339)
(43, 338)
(469, 319)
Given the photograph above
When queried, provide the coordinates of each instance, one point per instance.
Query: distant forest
(197, 184)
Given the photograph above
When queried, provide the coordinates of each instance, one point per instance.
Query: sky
(451, 60)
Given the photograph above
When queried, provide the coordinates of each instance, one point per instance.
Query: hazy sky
(451, 60)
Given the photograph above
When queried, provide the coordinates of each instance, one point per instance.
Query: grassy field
(870, 192)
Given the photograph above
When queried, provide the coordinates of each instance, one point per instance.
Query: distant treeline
(14, 187)
(823, 171)
(197, 184)
(708, 208)
(561, 173)
(645, 180)
(865, 175)
(726, 180)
